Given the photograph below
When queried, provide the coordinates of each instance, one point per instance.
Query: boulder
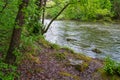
(71, 39)
(79, 65)
(75, 62)
(96, 50)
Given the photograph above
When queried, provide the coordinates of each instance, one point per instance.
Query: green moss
(83, 57)
(69, 75)
(42, 42)
(60, 56)
(81, 67)
(55, 46)
(68, 49)
(32, 58)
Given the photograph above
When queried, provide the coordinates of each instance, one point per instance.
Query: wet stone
(75, 62)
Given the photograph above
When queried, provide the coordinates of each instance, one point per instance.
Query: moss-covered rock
(66, 74)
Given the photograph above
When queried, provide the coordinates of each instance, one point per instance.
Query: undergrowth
(27, 46)
(8, 72)
(111, 67)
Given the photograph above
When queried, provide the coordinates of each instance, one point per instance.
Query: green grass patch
(66, 74)
(55, 46)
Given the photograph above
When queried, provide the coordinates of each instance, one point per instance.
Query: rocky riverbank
(55, 63)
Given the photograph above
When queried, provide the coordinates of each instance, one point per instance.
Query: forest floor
(54, 63)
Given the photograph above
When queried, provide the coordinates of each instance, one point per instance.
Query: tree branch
(45, 30)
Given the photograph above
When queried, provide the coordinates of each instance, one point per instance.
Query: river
(83, 37)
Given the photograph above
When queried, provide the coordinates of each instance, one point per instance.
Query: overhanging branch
(45, 30)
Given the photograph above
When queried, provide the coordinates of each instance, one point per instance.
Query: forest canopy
(85, 9)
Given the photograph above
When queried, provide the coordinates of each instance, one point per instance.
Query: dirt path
(45, 66)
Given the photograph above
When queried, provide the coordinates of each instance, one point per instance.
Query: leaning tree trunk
(16, 34)
(46, 29)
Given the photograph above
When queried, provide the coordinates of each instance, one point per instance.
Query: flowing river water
(83, 37)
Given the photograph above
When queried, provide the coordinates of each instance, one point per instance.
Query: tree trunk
(16, 34)
(43, 16)
(38, 29)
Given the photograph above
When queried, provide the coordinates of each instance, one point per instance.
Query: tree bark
(38, 29)
(43, 16)
(16, 34)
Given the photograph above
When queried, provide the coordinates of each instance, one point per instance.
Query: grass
(110, 70)
(69, 75)
(106, 76)
(68, 49)
(60, 56)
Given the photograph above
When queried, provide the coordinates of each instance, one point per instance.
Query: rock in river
(96, 50)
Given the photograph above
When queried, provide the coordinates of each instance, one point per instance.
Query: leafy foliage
(8, 72)
(33, 13)
(83, 9)
(7, 17)
(116, 8)
(111, 67)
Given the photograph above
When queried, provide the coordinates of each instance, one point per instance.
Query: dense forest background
(86, 9)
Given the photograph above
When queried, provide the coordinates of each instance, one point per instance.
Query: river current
(83, 37)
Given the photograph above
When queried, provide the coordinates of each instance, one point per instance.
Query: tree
(42, 29)
(35, 16)
(16, 34)
(116, 8)
(83, 10)
(46, 29)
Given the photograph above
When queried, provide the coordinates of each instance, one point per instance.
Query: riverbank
(86, 36)
(47, 61)
(54, 63)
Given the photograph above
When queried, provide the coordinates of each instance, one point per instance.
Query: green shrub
(118, 69)
(8, 72)
(111, 67)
